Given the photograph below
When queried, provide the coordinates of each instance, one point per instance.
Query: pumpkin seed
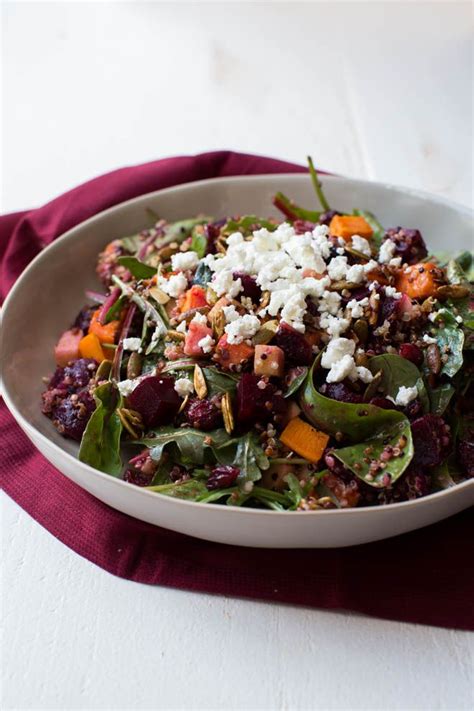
(265, 300)
(360, 255)
(227, 414)
(132, 421)
(159, 295)
(452, 291)
(175, 335)
(342, 284)
(361, 330)
(167, 252)
(188, 315)
(134, 365)
(218, 322)
(266, 333)
(433, 358)
(374, 304)
(183, 404)
(211, 296)
(199, 381)
(372, 387)
(103, 371)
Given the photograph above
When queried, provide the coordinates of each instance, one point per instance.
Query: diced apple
(67, 347)
(269, 360)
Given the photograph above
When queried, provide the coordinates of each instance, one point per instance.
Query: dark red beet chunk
(254, 403)
(431, 440)
(74, 376)
(410, 245)
(411, 352)
(203, 415)
(341, 392)
(221, 477)
(250, 288)
(296, 348)
(156, 400)
(71, 415)
(465, 454)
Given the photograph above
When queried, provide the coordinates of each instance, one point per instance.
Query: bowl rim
(34, 433)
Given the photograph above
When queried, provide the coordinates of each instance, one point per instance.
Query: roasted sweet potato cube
(346, 226)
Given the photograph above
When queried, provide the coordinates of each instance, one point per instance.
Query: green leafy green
(191, 490)
(355, 422)
(318, 188)
(397, 372)
(441, 477)
(450, 338)
(218, 382)
(180, 230)
(114, 312)
(377, 229)
(138, 269)
(247, 224)
(440, 398)
(198, 242)
(358, 457)
(245, 453)
(191, 443)
(100, 444)
(297, 382)
(292, 211)
(132, 244)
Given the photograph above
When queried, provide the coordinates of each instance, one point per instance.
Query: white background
(377, 90)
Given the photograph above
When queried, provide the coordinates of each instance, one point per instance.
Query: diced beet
(411, 352)
(410, 245)
(431, 441)
(256, 400)
(203, 415)
(341, 392)
(296, 348)
(156, 400)
(211, 231)
(137, 477)
(250, 288)
(465, 453)
(72, 414)
(222, 477)
(79, 373)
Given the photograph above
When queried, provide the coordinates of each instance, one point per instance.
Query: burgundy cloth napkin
(425, 576)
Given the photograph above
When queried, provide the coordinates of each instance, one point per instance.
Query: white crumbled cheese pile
(387, 250)
(391, 291)
(241, 328)
(428, 339)
(174, 286)
(206, 344)
(199, 318)
(128, 386)
(184, 260)
(183, 387)
(132, 344)
(405, 395)
(339, 359)
(361, 245)
(356, 308)
(230, 313)
(181, 327)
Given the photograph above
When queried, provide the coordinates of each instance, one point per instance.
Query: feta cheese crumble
(174, 286)
(183, 387)
(405, 395)
(230, 313)
(387, 250)
(128, 386)
(184, 260)
(242, 328)
(361, 245)
(199, 318)
(206, 344)
(132, 344)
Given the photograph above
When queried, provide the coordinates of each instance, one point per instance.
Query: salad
(311, 362)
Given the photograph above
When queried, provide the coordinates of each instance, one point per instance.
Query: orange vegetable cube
(194, 298)
(269, 360)
(90, 347)
(303, 439)
(229, 355)
(107, 332)
(418, 281)
(347, 225)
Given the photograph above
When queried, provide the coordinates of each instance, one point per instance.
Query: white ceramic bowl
(51, 290)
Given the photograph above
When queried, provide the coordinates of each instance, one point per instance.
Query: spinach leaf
(100, 444)
(138, 269)
(397, 371)
(356, 422)
(358, 457)
(192, 444)
(245, 453)
(440, 398)
(297, 382)
(191, 490)
(199, 242)
(450, 340)
(113, 313)
(378, 230)
(218, 382)
(179, 231)
(202, 275)
(441, 477)
(247, 224)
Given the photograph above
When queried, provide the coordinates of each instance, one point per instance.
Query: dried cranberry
(83, 318)
(302, 226)
(250, 288)
(156, 400)
(409, 244)
(465, 453)
(341, 392)
(326, 217)
(413, 409)
(411, 352)
(71, 415)
(296, 348)
(256, 400)
(137, 477)
(431, 441)
(203, 415)
(221, 477)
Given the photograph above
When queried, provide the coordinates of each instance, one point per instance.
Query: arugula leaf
(450, 338)
(396, 372)
(297, 382)
(378, 230)
(100, 444)
(199, 242)
(245, 453)
(191, 443)
(358, 457)
(318, 188)
(247, 224)
(218, 382)
(441, 477)
(292, 211)
(356, 422)
(114, 312)
(138, 269)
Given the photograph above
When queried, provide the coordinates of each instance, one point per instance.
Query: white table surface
(374, 90)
